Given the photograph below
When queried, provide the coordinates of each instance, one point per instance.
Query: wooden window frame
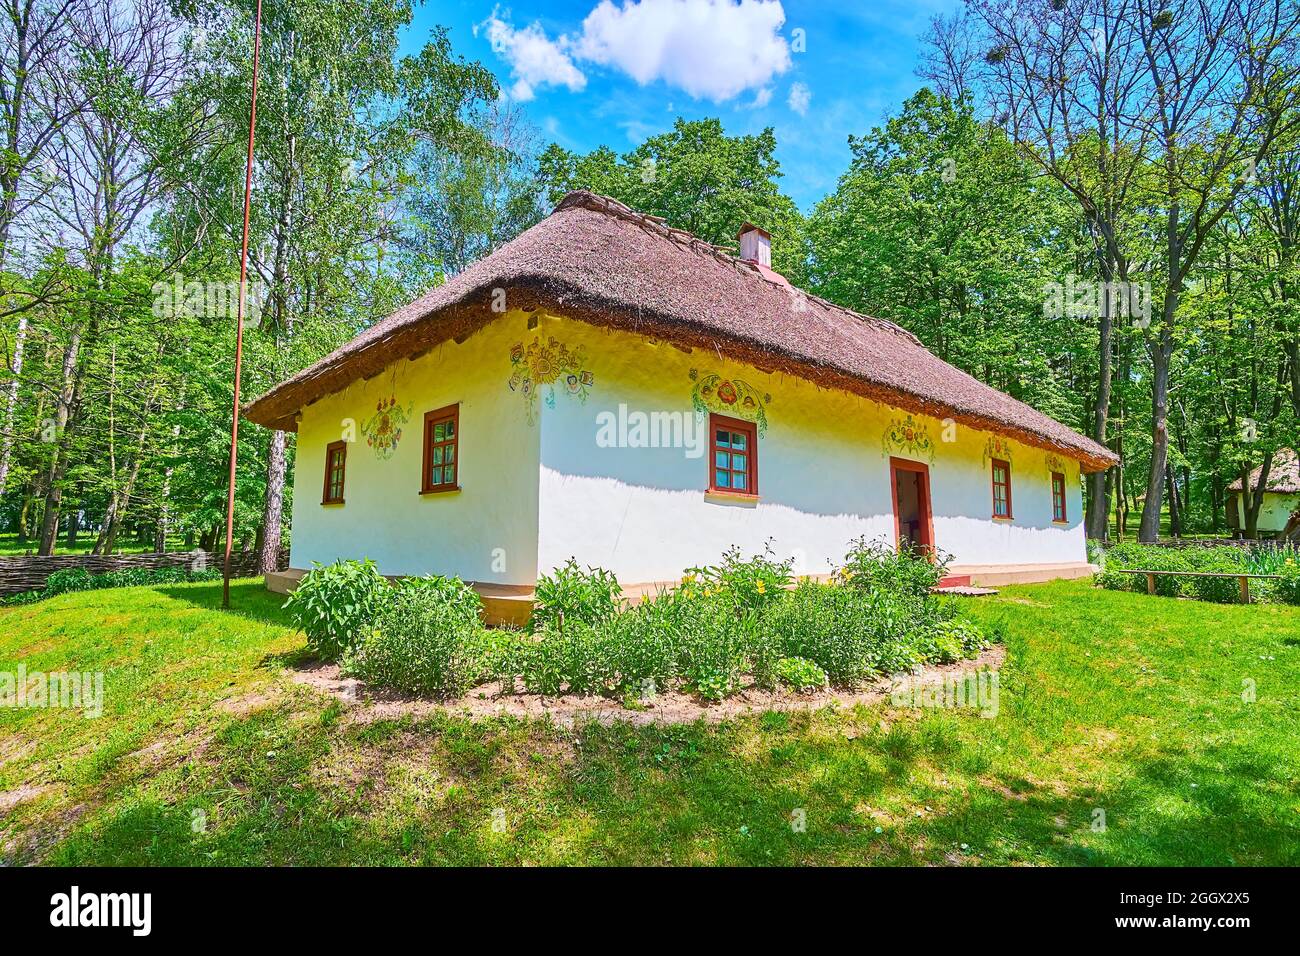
(1059, 517)
(993, 474)
(750, 431)
(330, 449)
(448, 413)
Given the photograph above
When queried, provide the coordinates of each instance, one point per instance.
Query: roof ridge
(609, 206)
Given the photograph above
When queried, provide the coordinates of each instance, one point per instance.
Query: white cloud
(711, 49)
(535, 60)
(761, 98)
(800, 97)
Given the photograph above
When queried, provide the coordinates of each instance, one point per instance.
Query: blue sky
(612, 72)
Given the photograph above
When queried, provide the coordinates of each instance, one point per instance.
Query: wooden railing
(1243, 579)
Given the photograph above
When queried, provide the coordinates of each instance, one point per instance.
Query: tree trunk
(273, 504)
(69, 402)
(1253, 498)
(11, 402)
(1097, 520)
(1175, 505)
(1149, 529)
(272, 512)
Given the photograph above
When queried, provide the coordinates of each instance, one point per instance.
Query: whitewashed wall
(536, 492)
(487, 532)
(823, 476)
(1274, 512)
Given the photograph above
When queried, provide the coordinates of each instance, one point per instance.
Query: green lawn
(10, 546)
(1119, 702)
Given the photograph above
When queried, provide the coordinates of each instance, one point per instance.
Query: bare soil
(366, 704)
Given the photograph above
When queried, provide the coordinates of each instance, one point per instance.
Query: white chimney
(755, 244)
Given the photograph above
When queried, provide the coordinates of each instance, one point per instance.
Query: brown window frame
(448, 413)
(337, 446)
(1058, 514)
(1006, 465)
(750, 431)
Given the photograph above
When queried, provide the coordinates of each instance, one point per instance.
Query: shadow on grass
(248, 598)
(318, 792)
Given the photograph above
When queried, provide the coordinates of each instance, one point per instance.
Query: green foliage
(570, 595)
(749, 585)
(426, 639)
(1287, 590)
(79, 579)
(580, 659)
(739, 618)
(941, 225)
(799, 674)
(335, 605)
(878, 566)
(1145, 558)
(68, 579)
(698, 179)
(851, 633)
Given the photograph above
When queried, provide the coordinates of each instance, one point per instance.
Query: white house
(612, 389)
(1279, 511)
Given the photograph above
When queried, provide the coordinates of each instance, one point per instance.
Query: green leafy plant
(877, 565)
(799, 674)
(426, 639)
(66, 580)
(571, 594)
(1287, 590)
(752, 584)
(335, 605)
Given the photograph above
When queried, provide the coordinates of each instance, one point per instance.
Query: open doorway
(913, 518)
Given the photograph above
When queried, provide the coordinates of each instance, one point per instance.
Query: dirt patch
(249, 703)
(11, 798)
(368, 704)
(15, 749)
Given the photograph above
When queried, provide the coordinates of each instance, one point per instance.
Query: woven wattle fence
(22, 573)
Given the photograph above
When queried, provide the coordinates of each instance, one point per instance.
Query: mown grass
(11, 546)
(208, 753)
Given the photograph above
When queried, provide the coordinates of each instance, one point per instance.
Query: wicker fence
(19, 574)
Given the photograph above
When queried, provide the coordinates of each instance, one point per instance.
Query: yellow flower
(761, 588)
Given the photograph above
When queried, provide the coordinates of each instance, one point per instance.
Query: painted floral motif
(910, 436)
(729, 396)
(1055, 463)
(997, 447)
(541, 369)
(383, 430)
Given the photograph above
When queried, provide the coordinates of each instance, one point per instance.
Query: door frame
(923, 488)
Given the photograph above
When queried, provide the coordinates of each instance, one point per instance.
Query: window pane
(436, 457)
(738, 481)
(451, 429)
(722, 439)
(722, 479)
(449, 475)
(449, 455)
(738, 463)
(721, 459)
(435, 476)
(737, 439)
(440, 432)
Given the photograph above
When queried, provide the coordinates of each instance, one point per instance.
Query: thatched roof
(597, 261)
(1283, 474)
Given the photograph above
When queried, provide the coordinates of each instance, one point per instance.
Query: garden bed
(367, 703)
(741, 629)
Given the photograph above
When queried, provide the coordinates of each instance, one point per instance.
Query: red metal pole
(239, 327)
